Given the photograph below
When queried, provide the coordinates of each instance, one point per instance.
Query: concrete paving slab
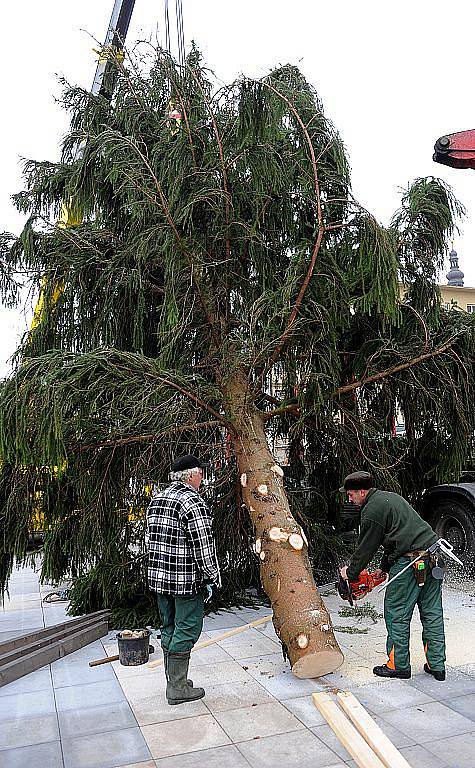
(220, 698)
(268, 631)
(28, 730)
(35, 681)
(428, 722)
(156, 709)
(326, 735)
(108, 717)
(88, 695)
(455, 684)
(18, 604)
(390, 694)
(31, 704)
(464, 705)
(420, 756)
(353, 673)
(258, 721)
(304, 710)
(251, 614)
(146, 764)
(374, 652)
(456, 752)
(216, 674)
(67, 673)
(135, 689)
(47, 755)
(230, 757)
(261, 647)
(398, 737)
(181, 736)
(55, 615)
(21, 620)
(105, 750)
(248, 635)
(275, 676)
(29, 587)
(211, 655)
(222, 620)
(292, 750)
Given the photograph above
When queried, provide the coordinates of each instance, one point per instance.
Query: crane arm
(457, 150)
(113, 45)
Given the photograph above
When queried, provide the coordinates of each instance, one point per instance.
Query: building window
(471, 309)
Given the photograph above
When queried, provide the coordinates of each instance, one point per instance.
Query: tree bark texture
(300, 619)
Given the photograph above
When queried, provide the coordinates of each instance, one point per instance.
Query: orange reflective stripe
(390, 662)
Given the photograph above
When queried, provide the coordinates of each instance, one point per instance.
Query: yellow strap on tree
(109, 53)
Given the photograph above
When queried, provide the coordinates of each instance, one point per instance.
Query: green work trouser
(182, 621)
(401, 598)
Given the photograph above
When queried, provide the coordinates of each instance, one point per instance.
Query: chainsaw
(356, 590)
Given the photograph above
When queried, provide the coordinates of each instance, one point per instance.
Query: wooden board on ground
(371, 731)
(358, 748)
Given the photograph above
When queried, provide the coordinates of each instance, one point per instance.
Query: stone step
(64, 639)
(39, 634)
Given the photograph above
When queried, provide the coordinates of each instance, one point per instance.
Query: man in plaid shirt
(182, 570)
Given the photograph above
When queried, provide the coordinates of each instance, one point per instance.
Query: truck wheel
(452, 520)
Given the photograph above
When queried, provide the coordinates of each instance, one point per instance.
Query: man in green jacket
(388, 520)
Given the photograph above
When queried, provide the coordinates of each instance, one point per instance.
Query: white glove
(209, 593)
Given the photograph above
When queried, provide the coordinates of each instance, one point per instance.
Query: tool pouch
(420, 572)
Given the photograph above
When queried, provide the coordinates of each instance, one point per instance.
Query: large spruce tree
(219, 257)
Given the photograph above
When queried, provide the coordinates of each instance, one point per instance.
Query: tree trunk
(300, 619)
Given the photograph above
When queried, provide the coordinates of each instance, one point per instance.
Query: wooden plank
(371, 731)
(206, 643)
(346, 732)
(49, 653)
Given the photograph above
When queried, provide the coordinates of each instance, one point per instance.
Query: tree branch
(293, 315)
(173, 227)
(321, 230)
(290, 408)
(394, 369)
(222, 420)
(309, 143)
(149, 438)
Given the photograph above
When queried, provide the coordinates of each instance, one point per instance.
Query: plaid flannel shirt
(182, 553)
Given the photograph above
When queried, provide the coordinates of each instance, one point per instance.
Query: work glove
(208, 593)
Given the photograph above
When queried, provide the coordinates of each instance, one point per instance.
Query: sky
(393, 77)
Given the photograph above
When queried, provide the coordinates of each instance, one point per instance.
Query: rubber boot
(178, 692)
(165, 665)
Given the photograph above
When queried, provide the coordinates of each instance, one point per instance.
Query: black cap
(357, 481)
(187, 462)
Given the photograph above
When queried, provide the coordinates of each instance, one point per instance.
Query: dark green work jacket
(388, 520)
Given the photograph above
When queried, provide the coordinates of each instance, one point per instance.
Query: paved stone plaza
(255, 713)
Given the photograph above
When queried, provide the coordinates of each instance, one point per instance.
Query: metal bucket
(134, 651)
